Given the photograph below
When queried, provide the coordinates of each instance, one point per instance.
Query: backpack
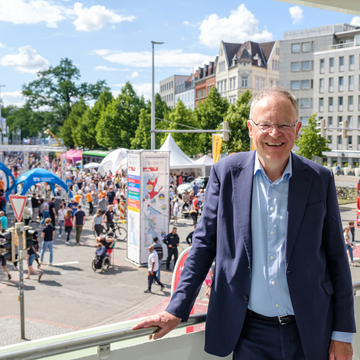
(98, 262)
(2, 202)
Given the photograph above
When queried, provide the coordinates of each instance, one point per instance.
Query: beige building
(248, 66)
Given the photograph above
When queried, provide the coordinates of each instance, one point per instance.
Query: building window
(349, 142)
(331, 104)
(339, 142)
(321, 104)
(351, 62)
(295, 85)
(244, 81)
(321, 85)
(322, 66)
(350, 122)
(305, 65)
(331, 84)
(331, 65)
(351, 82)
(341, 63)
(351, 103)
(305, 103)
(221, 66)
(304, 120)
(340, 103)
(224, 85)
(306, 47)
(341, 83)
(262, 83)
(330, 141)
(295, 66)
(256, 82)
(305, 84)
(295, 48)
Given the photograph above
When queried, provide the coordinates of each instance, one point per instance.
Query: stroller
(185, 212)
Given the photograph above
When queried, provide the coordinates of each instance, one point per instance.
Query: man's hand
(170, 246)
(340, 350)
(164, 320)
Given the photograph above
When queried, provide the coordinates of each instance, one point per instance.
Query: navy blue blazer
(317, 268)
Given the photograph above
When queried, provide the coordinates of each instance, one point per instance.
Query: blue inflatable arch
(8, 174)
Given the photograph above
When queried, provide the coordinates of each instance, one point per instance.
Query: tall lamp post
(153, 99)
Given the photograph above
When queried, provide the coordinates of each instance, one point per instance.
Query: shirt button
(271, 209)
(273, 282)
(271, 257)
(277, 305)
(246, 298)
(271, 233)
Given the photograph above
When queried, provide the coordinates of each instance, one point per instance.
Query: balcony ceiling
(345, 6)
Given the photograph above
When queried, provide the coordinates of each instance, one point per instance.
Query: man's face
(174, 231)
(273, 147)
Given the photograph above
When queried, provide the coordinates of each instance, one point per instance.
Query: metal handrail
(85, 342)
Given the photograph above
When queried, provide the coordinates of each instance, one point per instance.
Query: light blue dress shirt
(269, 293)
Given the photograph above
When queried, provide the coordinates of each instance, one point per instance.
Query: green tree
(57, 89)
(142, 138)
(310, 143)
(85, 132)
(237, 117)
(118, 123)
(209, 114)
(68, 131)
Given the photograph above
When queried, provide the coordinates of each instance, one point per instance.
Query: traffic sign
(18, 204)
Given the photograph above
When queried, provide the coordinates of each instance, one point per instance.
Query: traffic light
(6, 246)
(344, 128)
(225, 136)
(29, 238)
(320, 125)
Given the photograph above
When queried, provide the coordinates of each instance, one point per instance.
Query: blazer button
(249, 270)
(246, 298)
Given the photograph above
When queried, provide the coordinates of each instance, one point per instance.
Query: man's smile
(274, 144)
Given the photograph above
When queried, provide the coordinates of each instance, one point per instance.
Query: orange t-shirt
(77, 198)
(102, 195)
(2, 185)
(89, 198)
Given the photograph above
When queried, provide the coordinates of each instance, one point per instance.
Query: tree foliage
(57, 90)
(118, 124)
(310, 143)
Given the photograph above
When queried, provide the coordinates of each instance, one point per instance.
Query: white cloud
(94, 18)
(12, 98)
(27, 61)
(355, 21)
(163, 58)
(102, 52)
(134, 75)
(37, 11)
(105, 68)
(143, 89)
(187, 23)
(239, 27)
(2, 45)
(296, 13)
(31, 12)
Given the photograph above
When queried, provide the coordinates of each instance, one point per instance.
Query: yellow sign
(217, 142)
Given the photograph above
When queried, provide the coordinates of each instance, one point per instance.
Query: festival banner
(216, 145)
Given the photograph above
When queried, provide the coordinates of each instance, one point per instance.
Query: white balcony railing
(341, 46)
(339, 146)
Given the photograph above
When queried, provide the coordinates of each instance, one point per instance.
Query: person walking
(153, 265)
(68, 225)
(194, 210)
(3, 264)
(35, 207)
(26, 213)
(31, 256)
(48, 233)
(348, 237)
(90, 200)
(3, 220)
(190, 236)
(61, 218)
(79, 222)
(52, 211)
(96, 223)
(45, 212)
(160, 252)
(172, 241)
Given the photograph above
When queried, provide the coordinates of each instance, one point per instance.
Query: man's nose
(274, 131)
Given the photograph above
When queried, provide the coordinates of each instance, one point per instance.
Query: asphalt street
(71, 296)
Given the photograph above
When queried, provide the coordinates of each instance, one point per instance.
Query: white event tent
(112, 161)
(207, 161)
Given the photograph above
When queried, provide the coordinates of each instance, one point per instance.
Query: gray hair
(274, 90)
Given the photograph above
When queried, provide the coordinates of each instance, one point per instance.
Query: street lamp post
(153, 99)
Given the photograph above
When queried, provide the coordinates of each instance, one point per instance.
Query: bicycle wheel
(121, 233)
(106, 264)
(93, 265)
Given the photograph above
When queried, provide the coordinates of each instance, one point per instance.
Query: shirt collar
(286, 174)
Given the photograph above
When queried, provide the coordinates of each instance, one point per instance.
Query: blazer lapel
(299, 189)
(242, 179)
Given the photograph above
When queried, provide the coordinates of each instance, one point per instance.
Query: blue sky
(110, 40)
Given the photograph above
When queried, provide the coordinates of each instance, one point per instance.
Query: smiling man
(282, 287)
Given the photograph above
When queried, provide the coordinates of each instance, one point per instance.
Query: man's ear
(250, 127)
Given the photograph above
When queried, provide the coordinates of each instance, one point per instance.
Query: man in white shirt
(153, 266)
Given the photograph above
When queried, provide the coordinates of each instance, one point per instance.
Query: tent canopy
(178, 159)
(8, 174)
(205, 160)
(35, 176)
(112, 161)
(91, 166)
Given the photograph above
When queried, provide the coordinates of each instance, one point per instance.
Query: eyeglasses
(268, 127)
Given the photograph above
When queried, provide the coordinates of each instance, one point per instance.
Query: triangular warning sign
(18, 204)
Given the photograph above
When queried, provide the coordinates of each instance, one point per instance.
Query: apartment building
(320, 66)
(205, 79)
(185, 91)
(168, 88)
(248, 66)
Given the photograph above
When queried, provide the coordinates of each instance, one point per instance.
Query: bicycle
(119, 232)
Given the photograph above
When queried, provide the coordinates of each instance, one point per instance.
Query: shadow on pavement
(49, 282)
